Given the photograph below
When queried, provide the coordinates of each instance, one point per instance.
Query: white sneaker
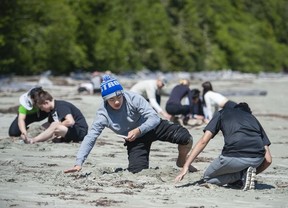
(250, 179)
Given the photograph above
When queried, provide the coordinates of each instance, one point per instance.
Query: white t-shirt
(214, 101)
(148, 89)
(96, 81)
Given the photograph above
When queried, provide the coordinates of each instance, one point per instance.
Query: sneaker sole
(250, 179)
(253, 179)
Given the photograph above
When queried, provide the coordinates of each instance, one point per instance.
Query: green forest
(131, 35)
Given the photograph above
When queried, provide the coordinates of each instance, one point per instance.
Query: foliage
(127, 35)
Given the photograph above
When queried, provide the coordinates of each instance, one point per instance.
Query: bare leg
(47, 134)
(183, 154)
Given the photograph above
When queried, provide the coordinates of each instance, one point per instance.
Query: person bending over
(213, 101)
(151, 91)
(28, 113)
(127, 113)
(245, 152)
(67, 122)
(174, 104)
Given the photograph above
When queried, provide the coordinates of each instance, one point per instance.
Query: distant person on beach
(245, 152)
(151, 91)
(197, 113)
(213, 101)
(92, 87)
(28, 113)
(129, 114)
(67, 123)
(174, 104)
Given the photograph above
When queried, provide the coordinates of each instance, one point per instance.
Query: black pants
(175, 109)
(139, 149)
(30, 118)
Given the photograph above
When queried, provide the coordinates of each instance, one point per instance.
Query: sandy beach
(32, 175)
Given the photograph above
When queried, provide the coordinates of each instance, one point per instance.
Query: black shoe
(236, 185)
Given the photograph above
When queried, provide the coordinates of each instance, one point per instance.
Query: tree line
(128, 35)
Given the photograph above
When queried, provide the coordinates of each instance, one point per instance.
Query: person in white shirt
(93, 86)
(213, 101)
(150, 90)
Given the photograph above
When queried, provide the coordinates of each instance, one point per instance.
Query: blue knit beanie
(110, 87)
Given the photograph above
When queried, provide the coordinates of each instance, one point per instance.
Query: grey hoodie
(135, 112)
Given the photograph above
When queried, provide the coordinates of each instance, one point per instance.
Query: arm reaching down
(199, 147)
(267, 161)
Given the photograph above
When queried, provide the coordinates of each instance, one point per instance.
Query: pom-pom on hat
(110, 87)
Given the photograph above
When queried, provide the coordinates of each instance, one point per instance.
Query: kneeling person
(245, 153)
(128, 113)
(66, 121)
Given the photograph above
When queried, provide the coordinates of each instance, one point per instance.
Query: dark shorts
(75, 134)
(166, 131)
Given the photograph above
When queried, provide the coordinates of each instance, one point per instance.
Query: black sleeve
(63, 109)
(265, 138)
(215, 124)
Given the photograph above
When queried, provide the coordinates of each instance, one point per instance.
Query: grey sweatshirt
(135, 112)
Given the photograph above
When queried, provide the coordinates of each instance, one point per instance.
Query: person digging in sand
(66, 121)
(28, 113)
(245, 152)
(213, 101)
(128, 113)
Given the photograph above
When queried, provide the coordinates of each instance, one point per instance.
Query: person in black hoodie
(245, 152)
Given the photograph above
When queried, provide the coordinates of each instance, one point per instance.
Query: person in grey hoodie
(129, 114)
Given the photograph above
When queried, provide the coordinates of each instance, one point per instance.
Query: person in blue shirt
(174, 104)
(129, 114)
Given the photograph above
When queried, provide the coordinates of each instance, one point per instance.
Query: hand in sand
(26, 140)
(76, 168)
(181, 175)
(29, 141)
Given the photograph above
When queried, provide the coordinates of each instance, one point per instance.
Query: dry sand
(32, 175)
